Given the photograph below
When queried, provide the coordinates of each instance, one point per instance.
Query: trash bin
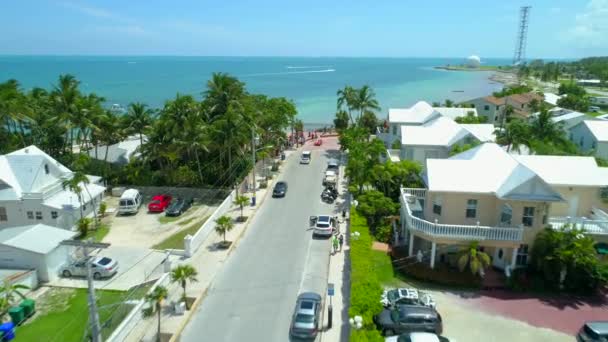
(16, 313)
(8, 331)
(29, 307)
(253, 201)
(282, 155)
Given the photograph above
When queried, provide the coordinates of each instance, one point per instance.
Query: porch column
(513, 258)
(433, 250)
(410, 251)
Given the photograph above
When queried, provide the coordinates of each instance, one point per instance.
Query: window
(528, 218)
(497, 107)
(54, 214)
(39, 215)
(471, 208)
(486, 107)
(395, 130)
(581, 141)
(30, 215)
(3, 216)
(437, 206)
(522, 106)
(522, 255)
(46, 169)
(506, 214)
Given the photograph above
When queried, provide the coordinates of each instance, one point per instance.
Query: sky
(380, 28)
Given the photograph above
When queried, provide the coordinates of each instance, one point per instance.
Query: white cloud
(591, 28)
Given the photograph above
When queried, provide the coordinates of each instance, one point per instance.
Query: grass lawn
(176, 241)
(186, 221)
(167, 219)
(97, 234)
(64, 314)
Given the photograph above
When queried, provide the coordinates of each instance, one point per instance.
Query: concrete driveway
(144, 229)
(253, 297)
(135, 266)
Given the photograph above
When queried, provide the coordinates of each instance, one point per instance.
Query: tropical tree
(515, 134)
(222, 90)
(365, 101)
(223, 224)
(369, 121)
(73, 184)
(140, 119)
(183, 274)
(473, 259)
(346, 99)
(341, 120)
(156, 299)
(65, 96)
(241, 201)
(449, 103)
(375, 206)
(542, 127)
(8, 291)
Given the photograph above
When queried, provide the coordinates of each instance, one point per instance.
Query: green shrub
(365, 336)
(441, 274)
(383, 233)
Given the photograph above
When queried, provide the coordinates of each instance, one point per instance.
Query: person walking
(335, 244)
(341, 241)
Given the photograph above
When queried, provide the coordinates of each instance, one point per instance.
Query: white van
(306, 156)
(129, 202)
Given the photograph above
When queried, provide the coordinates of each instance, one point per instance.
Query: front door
(499, 258)
(573, 206)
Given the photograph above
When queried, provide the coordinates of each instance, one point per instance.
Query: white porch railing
(454, 231)
(591, 226)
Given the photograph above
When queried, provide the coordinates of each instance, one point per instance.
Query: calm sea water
(311, 82)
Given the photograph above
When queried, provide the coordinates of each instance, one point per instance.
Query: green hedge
(365, 286)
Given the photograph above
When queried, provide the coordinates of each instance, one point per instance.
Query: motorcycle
(327, 196)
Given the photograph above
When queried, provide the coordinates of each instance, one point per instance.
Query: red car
(318, 142)
(159, 203)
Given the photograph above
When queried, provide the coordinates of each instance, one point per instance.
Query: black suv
(408, 318)
(177, 207)
(280, 189)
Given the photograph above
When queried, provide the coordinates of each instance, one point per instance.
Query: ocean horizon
(311, 82)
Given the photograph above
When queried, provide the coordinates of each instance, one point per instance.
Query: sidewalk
(339, 275)
(208, 261)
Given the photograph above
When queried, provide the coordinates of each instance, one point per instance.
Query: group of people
(337, 242)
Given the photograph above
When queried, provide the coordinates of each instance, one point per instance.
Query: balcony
(409, 196)
(596, 225)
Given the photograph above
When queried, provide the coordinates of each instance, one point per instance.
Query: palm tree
(449, 103)
(222, 90)
(140, 118)
(7, 294)
(223, 224)
(183, 274)
(156, 298)
(65, 95)
(241, 201)
(543, 128)
(365, 100)
(347, 98)
(515, 134)
(473, 258)
(79, 181)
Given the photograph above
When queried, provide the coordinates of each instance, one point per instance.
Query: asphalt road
(253, 297)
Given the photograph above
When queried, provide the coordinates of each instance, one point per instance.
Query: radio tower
(522, 33)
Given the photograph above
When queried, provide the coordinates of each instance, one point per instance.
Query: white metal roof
(551, 98)
(66, 197)
(565, 170)
(444, 131)
(39, 238)
(118, 153)
(454, 112)
(419, 113)
(599, 129)
(487, 169)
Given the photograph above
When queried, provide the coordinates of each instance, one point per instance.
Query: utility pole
(253, 160)
(93, 312)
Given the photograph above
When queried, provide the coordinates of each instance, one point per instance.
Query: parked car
(305, 319)
(333, 165)
(159, 203)
(406, 296)
(323, 225)
(129, 202)
(417, 337)
(594, 109)
(280, 189)
(101, 267)
(330, 178)
(306, 157)
(178, 207)
(594, 331)
(409, 318)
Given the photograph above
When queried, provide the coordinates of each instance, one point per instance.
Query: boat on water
(457, 91)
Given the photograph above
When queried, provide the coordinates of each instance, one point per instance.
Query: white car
(417, 337)
(306, 157)
(323, 225)
(406, 296)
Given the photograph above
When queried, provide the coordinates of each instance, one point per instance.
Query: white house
(32, 191)
(552, 98)
(419, 114)
(566, 118)
(35, 247)
(599, 100)
(591, 135)
(119, 153)
(436, 138)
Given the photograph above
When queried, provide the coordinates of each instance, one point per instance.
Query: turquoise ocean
(310, 82)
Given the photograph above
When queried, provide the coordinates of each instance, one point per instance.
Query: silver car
(305, 320)
(101, 267)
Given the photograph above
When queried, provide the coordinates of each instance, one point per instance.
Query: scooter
(327, 197)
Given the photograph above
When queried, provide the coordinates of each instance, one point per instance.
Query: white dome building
(473, 61)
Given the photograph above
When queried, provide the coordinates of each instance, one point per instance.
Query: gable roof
(454, 112)
(444, 131)
(118, 153)
(525, 98)
(419, 113)
(40, 238)
(494, 100)
(599, 129)
(565, 170)
(487, 169)
(25, 170)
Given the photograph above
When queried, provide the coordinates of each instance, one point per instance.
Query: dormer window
(46, 168)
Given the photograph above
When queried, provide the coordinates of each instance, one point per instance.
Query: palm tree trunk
(93, 204)
(141, 139)
(158, 307)
(198, 164)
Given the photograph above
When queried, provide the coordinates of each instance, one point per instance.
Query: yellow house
(502, 201)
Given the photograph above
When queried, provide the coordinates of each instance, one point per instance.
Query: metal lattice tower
(522, 34)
